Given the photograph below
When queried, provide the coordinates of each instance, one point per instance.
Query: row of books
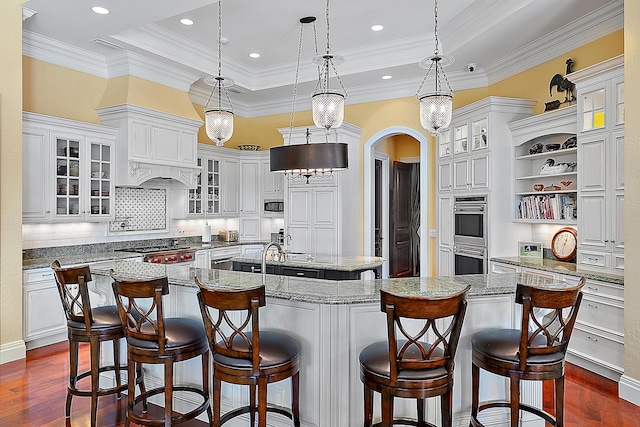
(551, 206)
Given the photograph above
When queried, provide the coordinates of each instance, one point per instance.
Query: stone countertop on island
(324, 262)
(320, 291)
(560, 267)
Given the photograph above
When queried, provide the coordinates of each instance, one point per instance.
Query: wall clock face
(565, 244)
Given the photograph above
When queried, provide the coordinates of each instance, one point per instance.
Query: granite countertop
(320, 291)
(560, 267)
(84, 254)
(323, 262)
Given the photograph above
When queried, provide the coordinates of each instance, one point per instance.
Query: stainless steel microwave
(274, 206)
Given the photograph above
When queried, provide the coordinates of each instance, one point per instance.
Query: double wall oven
(470, 235)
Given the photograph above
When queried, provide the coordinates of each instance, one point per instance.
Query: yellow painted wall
(632, 190)
(10, 180)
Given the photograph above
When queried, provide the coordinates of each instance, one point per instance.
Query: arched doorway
(369, 156)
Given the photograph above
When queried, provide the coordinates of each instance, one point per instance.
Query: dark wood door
(401, 221)
(377, 221)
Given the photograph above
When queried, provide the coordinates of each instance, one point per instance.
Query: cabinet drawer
(609, 290)
(504, 268)
(223, 252)
(595, 346)
(301, 272)
(38, 275)
(598, 312)
(618, 262)
(595, 259)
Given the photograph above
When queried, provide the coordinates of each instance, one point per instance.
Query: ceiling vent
(105, 43)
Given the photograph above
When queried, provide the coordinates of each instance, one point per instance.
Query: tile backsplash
(140, 209)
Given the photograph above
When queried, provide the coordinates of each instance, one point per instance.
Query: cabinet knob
(606, 241)
(592, 339)
(593, 288)
(592, 305)
(613, 241)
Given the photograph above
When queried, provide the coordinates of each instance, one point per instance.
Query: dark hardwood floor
(32, 393)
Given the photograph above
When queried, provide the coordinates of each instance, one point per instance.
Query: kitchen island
(330, 267)
(334, 321)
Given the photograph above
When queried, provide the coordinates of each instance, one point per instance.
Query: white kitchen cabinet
(202, 259)
(249, 227)
(319, 216)
(230, 186)
(272, 182)
(77, 174)
(597, 342)
(475, 157)
(44, 320)
(501, 268)
(600, 90)
(250, 186)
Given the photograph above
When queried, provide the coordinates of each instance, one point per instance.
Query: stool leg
(445, 409)
(140, 381)
(73, 374)
(116, 364)
(475, 386)
(131, 389)
(559, 389)
(216, 399)
(368, 406)
(205, 382)
(168, 392)
(387, 409)
(252, 404)
(262, 402)
(514, 397)
(420, 409)
(94, 346)
(295, 398)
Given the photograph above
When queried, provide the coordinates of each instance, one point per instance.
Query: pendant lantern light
(436, 106)
(219, 120)
(327, 103)
(309, 160)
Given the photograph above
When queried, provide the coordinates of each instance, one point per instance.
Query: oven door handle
(479, 253)
(468, 209)
(220, 261)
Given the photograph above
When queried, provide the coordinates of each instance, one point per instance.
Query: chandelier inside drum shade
(307, 160)
(218, 118)
(436, 106)
(327, 103)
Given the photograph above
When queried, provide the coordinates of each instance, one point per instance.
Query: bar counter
(333, 321)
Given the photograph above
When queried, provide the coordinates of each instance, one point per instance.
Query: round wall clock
(565, 244)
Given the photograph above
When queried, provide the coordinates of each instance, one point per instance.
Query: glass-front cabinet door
(461, 139)
(444, 144)
(479, 134)
(101, 170)
(593, 110)
(619, 86)
(67, 170)
(195, 194)
(213, 187)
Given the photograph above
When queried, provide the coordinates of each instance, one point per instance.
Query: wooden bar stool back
(535, 352)
(154, 339)
(243, 354)
(89, 325)
(406, 365)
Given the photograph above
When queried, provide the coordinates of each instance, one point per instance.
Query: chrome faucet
(282, 256)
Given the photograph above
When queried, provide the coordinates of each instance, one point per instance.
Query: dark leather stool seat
(255, 358)
(535, 352)
(155, 340)
(92, 325)
(407, 366)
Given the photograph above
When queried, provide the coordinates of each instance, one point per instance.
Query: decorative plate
(248, 147)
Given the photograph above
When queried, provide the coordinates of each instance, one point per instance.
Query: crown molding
(129, 63)
(589, 28)
(49, 50)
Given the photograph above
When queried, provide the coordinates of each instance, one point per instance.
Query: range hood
(152, 144)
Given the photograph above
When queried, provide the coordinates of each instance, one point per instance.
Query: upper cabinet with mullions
(69, 170)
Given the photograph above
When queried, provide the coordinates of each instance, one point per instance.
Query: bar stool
(248, 358)
(153, 339)
(406, 366)
(92, 325)
(535, 352)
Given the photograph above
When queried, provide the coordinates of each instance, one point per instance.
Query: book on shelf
(547, 207)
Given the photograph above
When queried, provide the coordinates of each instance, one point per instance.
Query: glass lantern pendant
(219, 120)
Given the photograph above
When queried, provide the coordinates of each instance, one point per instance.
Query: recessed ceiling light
(254, 55)
(377, 27)
(100, 10)
(186, 21)
(386, 77)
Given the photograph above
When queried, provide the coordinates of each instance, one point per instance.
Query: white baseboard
(629, 389)
(12, 351)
